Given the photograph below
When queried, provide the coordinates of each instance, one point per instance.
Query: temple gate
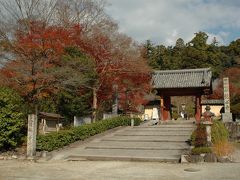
(186, 82)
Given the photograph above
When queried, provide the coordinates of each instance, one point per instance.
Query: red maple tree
(117, 60)
(234, 86)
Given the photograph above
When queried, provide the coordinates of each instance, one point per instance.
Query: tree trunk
(94, 105)
(36, 109)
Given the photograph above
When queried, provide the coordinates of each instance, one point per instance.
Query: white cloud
(163, 21)
(221, 36)
(172, 37)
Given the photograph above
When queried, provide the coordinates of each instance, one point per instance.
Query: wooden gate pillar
(198, 108)
(161, 107)
(165, 108)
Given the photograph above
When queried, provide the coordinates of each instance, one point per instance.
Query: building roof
(50, 115)
(213, 102)
(185, 78)
(153, 102)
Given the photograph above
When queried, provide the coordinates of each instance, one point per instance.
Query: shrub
(199, 136)
(11, 119)
(59, 139)
(219, 132)
(201, 150)
(175, 115)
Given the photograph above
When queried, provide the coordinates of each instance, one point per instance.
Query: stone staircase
(160, 143)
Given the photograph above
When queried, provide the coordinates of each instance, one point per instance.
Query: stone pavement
(159, 143)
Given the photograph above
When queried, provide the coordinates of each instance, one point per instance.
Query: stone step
(175, 126)
(164, 126)
(127, 155)
(160, 143)
(147, 138)
(160, 130)
(120, 144)
(179, 122)
(163, 159)
(153, 133)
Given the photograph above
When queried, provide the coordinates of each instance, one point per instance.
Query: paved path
(108, 170)
(161, 143)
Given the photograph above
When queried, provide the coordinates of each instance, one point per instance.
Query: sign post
(227, 115)
(31, 135)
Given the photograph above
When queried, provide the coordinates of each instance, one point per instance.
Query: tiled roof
(212, 102)
(182, 78)
(50, 115)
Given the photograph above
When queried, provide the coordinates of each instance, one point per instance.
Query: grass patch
(201, 150)
(223, 148)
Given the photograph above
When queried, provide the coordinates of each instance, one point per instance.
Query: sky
(164, 21)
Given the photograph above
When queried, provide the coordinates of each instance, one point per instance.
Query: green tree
(75, 79)
(151, 54)
(233, 50)
(11, 119)
(199, 41)
(197, 53)
(179, 43)
(72, 104)
(76, 70)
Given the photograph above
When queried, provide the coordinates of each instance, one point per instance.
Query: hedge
(60, 139)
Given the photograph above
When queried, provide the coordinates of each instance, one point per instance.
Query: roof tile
(182, 78)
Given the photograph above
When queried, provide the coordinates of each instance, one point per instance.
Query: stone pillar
(132, 122)
(227, 115)
(115, 100)
(57, 126)
(75, 121)
(31, 135)
(198, 108)
(44, 126)
(208, 125)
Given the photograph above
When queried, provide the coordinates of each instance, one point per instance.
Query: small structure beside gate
(49, 122)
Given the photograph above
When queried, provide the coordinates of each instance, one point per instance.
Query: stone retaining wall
(234, 130)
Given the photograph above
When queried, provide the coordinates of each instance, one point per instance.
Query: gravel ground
(104, 170)
(236, 154)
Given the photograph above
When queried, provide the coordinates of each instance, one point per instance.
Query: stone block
(210, 157)
(227, 117)
(14, 157)
(78, 121)
(197, 159)
(184, 159)
(223, 159)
